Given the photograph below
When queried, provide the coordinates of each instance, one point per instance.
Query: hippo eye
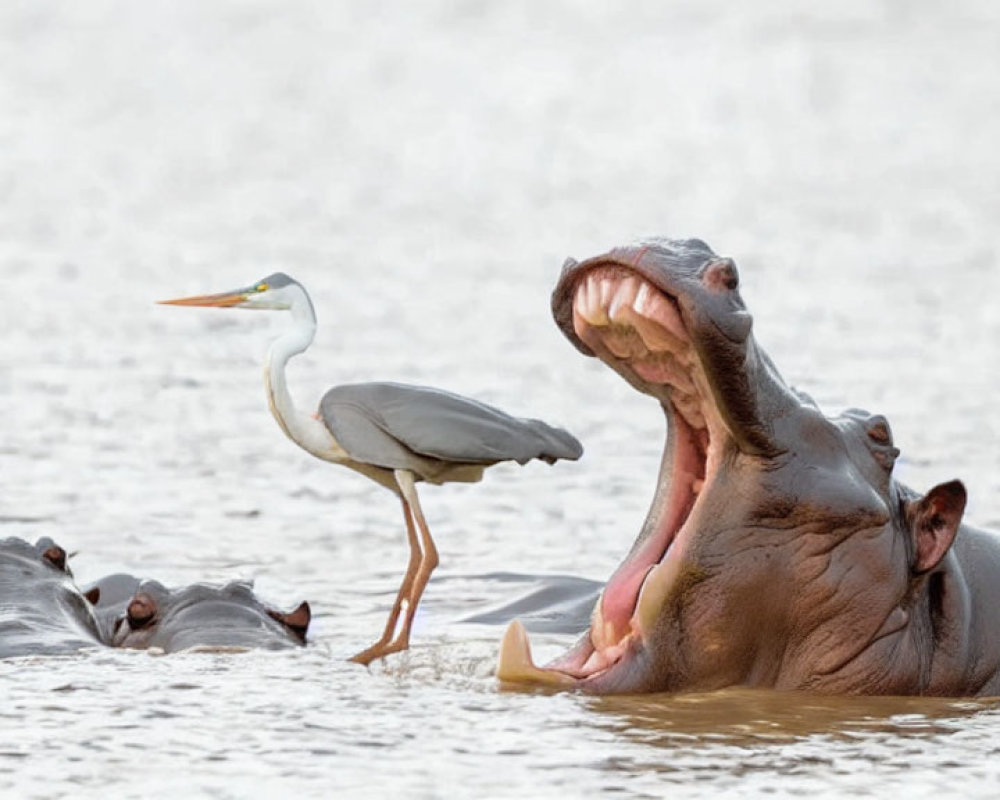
(261, 287)
(880, 435)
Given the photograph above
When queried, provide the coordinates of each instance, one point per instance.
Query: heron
(393, 433)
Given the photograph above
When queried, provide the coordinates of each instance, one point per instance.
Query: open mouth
(639, 331)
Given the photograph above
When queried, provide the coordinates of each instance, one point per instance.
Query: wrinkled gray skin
(803, 564)
(42, 612)
(146, 614)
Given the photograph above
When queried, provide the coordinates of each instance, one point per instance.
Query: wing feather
(381, 423)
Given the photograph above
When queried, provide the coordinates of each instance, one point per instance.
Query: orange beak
(224, 300)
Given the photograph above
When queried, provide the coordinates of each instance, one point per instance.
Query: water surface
(424, 169)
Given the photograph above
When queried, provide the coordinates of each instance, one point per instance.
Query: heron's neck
(304, 429)
(280, 400)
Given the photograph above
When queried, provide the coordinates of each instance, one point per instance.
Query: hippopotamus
(140, 614)
(550, 604)
(42, 612)
(111, 596)
(780, 550)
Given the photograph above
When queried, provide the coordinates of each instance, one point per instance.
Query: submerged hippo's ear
(297, 620)
(934, 521)
(93, 595)
(56, 556)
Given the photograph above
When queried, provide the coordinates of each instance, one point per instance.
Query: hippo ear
(297, 620)
(56, 556)
(934, 521)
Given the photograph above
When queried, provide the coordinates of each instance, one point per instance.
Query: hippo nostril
(720, 275)
(56, 556)
(141, 611)
(879, 431)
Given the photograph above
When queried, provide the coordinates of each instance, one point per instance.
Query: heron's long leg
(404, 478)
(416, 557)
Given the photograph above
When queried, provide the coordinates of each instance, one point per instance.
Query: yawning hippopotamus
(146, 614)
(779, 550)
(42, 612)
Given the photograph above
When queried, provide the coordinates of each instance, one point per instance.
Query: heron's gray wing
(364, 438)
(437, 424)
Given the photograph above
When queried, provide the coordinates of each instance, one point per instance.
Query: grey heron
(393, 433)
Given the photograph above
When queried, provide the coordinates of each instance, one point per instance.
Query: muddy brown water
(424, 169)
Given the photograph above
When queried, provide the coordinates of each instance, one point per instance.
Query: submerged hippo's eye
(261, 287)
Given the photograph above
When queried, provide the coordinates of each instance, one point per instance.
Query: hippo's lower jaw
(638, 331)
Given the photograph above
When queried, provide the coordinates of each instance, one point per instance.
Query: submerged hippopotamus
(779, 550)
(42, 612)
(146, 614)
(545, 603)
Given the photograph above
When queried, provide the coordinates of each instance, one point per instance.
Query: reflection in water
(745, 716)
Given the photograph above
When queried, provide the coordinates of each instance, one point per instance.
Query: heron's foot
(380, 650)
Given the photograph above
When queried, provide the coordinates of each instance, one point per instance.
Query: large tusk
(515, 664)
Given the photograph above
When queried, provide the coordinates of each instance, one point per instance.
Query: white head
(277, 291)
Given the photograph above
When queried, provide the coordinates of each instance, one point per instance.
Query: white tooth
(579, 323)
(515, 664)
(648, 308)
(656, 307)
(624, 297)
(581, 303)
(641, 298)
(594, 311)
(595, 308)
(607, 289)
